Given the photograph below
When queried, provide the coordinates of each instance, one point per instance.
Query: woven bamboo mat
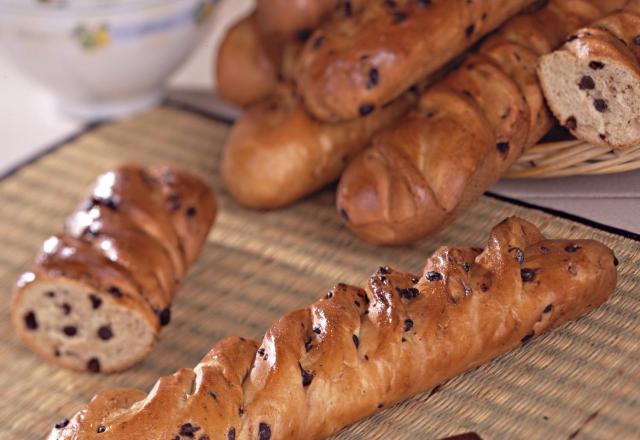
(584, 378)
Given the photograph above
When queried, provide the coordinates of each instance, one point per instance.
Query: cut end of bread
(73, 325)
(597, 100)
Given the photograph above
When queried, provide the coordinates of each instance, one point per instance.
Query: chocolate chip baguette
(592, 83)
(297, 19)
(276, 153)
(100, 291)
(466, 131)
(349, 68)
(357, 351)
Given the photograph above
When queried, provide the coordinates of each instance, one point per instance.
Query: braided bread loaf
(466, 131)
(592, 82)
(99, 293)
(350, 67)
(347, 355)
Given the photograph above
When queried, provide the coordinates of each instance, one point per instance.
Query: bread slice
(81, 311)
(592, 85)
(99, 293)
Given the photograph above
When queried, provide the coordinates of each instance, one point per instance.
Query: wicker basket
(572, 158)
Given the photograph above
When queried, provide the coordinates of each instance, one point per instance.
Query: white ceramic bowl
(102, 58)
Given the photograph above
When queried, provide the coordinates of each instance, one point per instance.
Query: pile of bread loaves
(377, 93)
(381, 95)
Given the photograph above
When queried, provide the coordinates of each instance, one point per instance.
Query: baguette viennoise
(99, 292)
(246, 68)
(592, 83)
(466, 131)
(289, 19)
(356, 351)
(351, 67)
(277, 153)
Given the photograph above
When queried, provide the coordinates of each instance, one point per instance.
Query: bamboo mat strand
(581, 381)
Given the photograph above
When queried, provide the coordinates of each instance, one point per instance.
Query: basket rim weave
(572, 158)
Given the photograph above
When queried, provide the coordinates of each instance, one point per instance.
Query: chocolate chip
(347, 9)
(261, 352)
(164, 316)
(96, 302)
(241, 411)
(105, 333)
(93, 365)
(30, 320)
(600, 105)
(188, 430)
(191, 211)
(415, 280)
(303, 34)
(213, 395)
(231, 435)
(56, 353)
(616, 262)
(384, 270)
(66, 308)
(373, 78)
(398, 16)
(548, 309)
(433, 276)
(571, 123)
(70, 330)
(586, 83)
(115, 291)
(264, 431)
(470, 30)
(596, 65)
(50, 294)
(466, 267)
(408, 293)
(527, 275)
(101, 429)
(408, 325)
(380, 405)
(357, 303)
(307, 376)
(528, 337)
(356, 341)
(366, 109)
(484, 287)
(503, 148)
(317, 330)
(329, 295)
(572, 248)
(61, 424)
(318, 42)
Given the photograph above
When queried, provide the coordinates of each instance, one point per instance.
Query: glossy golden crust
(358, 350)
(246, 68)
(99, 293)
(351, 65)
(416, 177)
(277, 153)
